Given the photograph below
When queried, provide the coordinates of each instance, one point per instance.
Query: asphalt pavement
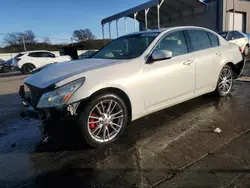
(176, 147)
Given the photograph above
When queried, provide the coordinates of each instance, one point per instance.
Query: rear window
(237, 35)
(213, 39)
(18, 55)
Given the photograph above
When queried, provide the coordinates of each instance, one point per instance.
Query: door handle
(218, 53)
(188, 62)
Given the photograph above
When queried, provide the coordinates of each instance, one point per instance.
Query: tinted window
(127, 47)
(47, 54)
(223, 34)
(199, 39)
(19, 55)
(230, 36)
(174, 42)
(237, 35)
(213, 39)
(41, 54)
(34, 54)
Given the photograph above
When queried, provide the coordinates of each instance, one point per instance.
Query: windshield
(223, 34)
(126, 47)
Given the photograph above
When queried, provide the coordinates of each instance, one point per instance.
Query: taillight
(18, 59)
(240, 49)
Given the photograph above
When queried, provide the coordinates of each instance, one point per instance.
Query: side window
(33, 54)
(213, 39)
(199, 39)
(174, 42)
(47, 54)
(237, 35)
(51, 55)
(230, 36)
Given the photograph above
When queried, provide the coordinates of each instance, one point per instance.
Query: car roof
(167, 29)
(26, 52)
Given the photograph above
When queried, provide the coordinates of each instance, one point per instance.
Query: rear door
(207, 55)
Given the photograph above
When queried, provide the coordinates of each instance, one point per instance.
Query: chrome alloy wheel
(105, 121)
(225, 81)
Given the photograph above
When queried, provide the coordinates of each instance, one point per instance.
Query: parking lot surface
(176, 147)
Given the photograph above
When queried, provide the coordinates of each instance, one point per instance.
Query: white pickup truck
(29, 60)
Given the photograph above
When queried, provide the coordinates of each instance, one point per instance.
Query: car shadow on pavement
(10, 74)
(68, 137)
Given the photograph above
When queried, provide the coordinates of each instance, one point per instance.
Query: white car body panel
(149, 87)
(40, 61)
(241, 42)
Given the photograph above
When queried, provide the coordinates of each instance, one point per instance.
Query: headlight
(61, 95)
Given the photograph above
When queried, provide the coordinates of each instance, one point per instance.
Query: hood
(59, 71)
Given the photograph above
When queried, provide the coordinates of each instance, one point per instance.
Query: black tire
(6, 69)
(218, 90)
(246, 50)
(26, 68)
(84, 117)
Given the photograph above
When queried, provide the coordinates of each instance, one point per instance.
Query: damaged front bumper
(56, 113)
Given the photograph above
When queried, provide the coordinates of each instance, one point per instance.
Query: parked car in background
(2, 66)
(248, 35)
(238, 38)
(7, 66)
(133, 76)
(87, 54)
(27, 61)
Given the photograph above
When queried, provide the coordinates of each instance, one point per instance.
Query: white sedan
(239, 38)
(133, 76)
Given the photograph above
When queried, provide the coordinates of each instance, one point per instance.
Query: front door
(172, 80)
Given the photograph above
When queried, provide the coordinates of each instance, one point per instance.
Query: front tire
(103, 120)
(225, 82)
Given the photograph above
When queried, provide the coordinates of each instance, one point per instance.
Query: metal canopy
(152, 11)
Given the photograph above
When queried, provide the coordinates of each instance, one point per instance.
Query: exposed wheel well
(116, 91)
(28, 64)
(236, 70)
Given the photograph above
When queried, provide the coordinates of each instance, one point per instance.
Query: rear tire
(27, 68)
(246, 50)
(6, 69)
(104, 125)
(225, 82)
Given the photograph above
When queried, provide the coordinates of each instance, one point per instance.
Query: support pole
(233, 14)
(103, 31)
(158, 14)
(146, 18)
(126, 25)
(109, 30)
(135, 14)
(24, 46)
(117, 34)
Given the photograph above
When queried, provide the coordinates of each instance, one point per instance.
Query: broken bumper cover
(28, 110)
(60, 113)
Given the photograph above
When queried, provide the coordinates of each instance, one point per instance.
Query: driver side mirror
(158, 55)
